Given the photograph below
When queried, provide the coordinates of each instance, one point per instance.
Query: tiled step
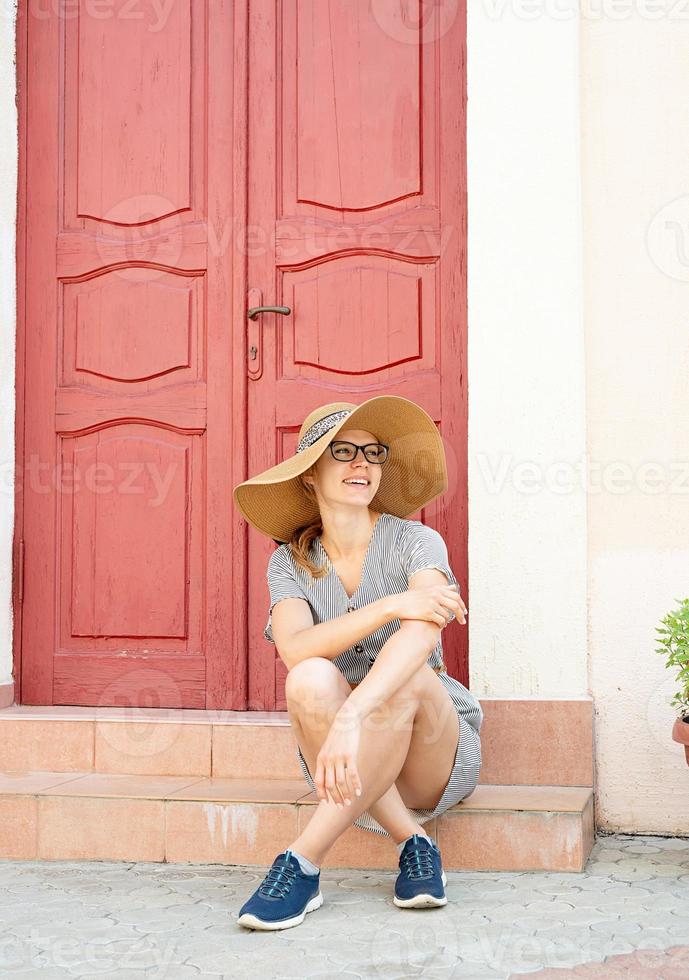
(86, 815)
(204, 786)
(531, 741)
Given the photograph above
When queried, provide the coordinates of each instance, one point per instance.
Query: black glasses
(374, 452)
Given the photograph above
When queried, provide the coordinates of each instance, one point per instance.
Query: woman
(359, 596)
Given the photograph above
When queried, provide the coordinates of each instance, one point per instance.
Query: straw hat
(414, 473)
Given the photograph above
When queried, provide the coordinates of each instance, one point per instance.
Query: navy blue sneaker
(421, 881)
(284, 896)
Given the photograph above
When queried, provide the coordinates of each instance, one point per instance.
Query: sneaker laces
(417, 859)
(279, 879)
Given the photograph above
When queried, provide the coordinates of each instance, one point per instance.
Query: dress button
(359, 648)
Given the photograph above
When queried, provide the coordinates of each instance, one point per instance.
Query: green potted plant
(674, 645)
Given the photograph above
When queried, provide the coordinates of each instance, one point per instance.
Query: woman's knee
(313, 679)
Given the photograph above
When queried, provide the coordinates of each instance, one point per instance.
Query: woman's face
(329, 475)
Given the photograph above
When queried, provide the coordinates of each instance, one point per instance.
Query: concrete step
(529, 741)
(88, 815)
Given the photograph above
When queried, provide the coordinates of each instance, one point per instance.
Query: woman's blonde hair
(304, 536)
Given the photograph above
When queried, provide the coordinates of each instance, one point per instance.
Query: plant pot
(680, 733)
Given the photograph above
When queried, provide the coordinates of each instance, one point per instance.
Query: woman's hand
(337, 774)
(433, 603)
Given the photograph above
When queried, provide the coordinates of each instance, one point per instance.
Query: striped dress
(398, 548)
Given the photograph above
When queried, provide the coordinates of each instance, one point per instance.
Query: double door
(177, 170)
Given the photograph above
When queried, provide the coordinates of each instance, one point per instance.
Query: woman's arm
(399, 659)
(297, 638)
(400, 656)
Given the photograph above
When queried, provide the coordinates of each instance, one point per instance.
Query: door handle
(254, 331)
(253, 311)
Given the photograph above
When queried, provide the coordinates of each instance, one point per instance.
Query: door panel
(359, 227)
(129, 318)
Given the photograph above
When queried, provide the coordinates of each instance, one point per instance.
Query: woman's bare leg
(314, 694)
(389, 809)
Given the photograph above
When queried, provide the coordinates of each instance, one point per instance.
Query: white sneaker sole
(253, 922)
(423, 900)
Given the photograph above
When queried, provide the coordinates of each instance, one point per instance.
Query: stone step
(530, 741)
(87, 815)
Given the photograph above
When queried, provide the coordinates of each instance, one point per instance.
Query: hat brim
(415, 472)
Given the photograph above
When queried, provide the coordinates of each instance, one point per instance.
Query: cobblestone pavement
(627, 915)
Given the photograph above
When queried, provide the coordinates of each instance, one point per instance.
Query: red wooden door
(357, 223)
(128, 288)
(178, 164)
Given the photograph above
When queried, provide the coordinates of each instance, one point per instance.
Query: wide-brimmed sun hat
(414, 473)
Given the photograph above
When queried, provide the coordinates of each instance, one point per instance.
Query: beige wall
(635, 171)
(579, 370)
(527, 413)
